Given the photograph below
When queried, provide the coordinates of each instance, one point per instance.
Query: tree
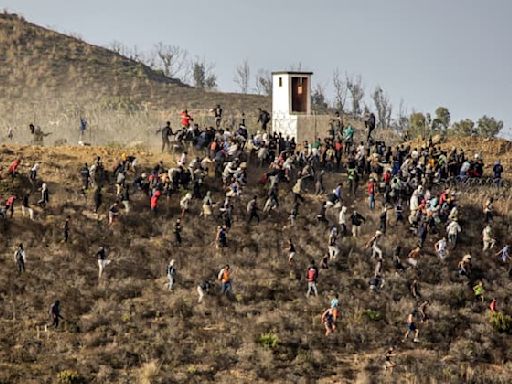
(173, 60)
(464, 127)
(355, 87)
(118, 48)
(318, 100)
(340, 90)
(383, 107)
(417, 125)
(264, 82)
(401, 124)
(442, 120)
(242, 74)
(488, 127)
(203, 75)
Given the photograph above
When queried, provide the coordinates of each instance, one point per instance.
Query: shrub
(373, 315)
(501, 323)
(70, 377)
(268, 340)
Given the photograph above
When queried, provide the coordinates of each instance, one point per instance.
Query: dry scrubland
(128, 328)
(51, 79)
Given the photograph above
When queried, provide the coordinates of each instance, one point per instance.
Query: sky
(452, 53)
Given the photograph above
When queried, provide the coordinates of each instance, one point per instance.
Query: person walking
(312, 277)
(171, 274)
(25, 207)
(55, 315)
(67, 228)
(225, 278)
(203, 289)
(252, 210)
(103, 261)
(357, 220)
(20, 258)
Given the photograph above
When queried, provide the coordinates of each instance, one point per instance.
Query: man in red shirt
(371, 193)
(185, 119)
(9, 204)
(154, 201)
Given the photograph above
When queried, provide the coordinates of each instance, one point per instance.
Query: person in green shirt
(479, 291)
(348, 137)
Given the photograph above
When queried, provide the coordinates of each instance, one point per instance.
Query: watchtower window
(299, 94)
(280, 81)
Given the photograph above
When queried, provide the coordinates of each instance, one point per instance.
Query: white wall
(281, 96)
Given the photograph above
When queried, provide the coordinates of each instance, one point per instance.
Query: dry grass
(131, 329)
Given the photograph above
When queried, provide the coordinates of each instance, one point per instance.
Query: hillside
(127, 328)
(51, 78)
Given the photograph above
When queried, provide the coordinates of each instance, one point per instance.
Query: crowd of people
(409, 187)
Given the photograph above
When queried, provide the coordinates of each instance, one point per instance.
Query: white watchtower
(291, 104)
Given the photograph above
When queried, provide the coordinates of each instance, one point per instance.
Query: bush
(373, 315)
(268, 340)
(501, 323)
(70, 377)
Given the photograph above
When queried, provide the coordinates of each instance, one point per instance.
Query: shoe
(416, 340)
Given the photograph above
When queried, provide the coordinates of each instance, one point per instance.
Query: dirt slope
(128, 329)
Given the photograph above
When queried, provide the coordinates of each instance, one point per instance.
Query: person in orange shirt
(225, 278)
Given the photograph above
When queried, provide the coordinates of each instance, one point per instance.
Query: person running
(488, 238)
(171, 274)
(67, 228)
(252, 210)
(85, 175)
(166, 134)
(33, 173)
(493, 306)
(203, 289)
(464, 266)
(373, 243)
(45, 196)
(504, 254)
(479, 291)
(217, 111)
(328, 321)
(9, 205)
(225, 278)
(153, 202)
(333, 246)
(422, 310)
(55, 315)
(441, 248)
(413, 257)
(25, 207)
(389, 365)
(335, 303)
(263, 119)
(103, 261)
(371, 193)
(20, 258)
(342, 220)
(221, 238)
(383, 220)
(113, 213)
(291, 252)
(312, 277)
(98, 199)
(453, 230)
(177, 232)
(185, 203)
(411, 328)
(357, 220)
